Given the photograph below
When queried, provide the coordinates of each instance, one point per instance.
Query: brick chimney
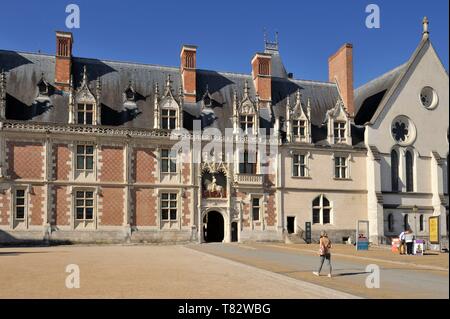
(262, 75)
(188, 72)
(340, 67)
(63, 66)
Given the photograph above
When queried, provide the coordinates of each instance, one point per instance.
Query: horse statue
(213, 188)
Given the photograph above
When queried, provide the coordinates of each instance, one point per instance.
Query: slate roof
(369, 96)
(25, 70)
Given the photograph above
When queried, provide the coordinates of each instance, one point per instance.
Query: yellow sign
(434, 230)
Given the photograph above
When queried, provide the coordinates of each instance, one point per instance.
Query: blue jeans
(326, 257)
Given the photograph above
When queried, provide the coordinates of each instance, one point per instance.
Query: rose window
(403, 130)
(400, 131)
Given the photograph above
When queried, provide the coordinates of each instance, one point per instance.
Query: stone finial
(85, 78)
(246, 89)
(168, 88)
(298, 97)
(308, 108)
(99, 89)
(288, 102)
(425, 24)
(2, 81)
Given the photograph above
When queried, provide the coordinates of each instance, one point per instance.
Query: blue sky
(228, 33)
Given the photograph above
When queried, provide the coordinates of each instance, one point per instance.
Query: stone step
(294, 239)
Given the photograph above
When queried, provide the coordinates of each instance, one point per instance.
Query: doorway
(234, 232)
(213, 227)
(291, 225)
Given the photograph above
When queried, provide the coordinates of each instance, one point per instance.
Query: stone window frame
(258, 206)
(245, 164)
(85, 111)
(391, 222)
(321, 208)
(85, 155)
(244, 124)
(410, 181)
(84, 225)
(169, 201)
(348, 159)
(173, 224)
(84, 206)
(395, 170)
(22, 222)
(339, 131)
(172, 155)
(262, 210)
(169, 117)
(297, 126)
(307, 156)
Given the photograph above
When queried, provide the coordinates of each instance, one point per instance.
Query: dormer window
(247, 123)
(43, 88)
(168, 119)
(85, 114)
(207, 101)
(299, 128)
(130, 93)
(339, 132)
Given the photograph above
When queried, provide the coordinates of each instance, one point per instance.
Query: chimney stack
(188, 72)
(262, 76)
(63, 66)
(341, 72)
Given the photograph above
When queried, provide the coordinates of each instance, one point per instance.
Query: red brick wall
(112, 207)
(61, 201)
(25, 160)
(186, 218)
(4, 208)
(245, 208)
(189, 75)
(37, 204)
(186, 173)
(263, 83)
(62, 72)
(145, 207)
(271, 211)
(62, 162)
(144, 166)
(111, 164)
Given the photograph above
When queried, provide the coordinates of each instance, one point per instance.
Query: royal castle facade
(88, 152)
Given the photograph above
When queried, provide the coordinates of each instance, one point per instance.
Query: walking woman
(324, 252)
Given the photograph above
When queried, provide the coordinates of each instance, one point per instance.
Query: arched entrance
(213, 227)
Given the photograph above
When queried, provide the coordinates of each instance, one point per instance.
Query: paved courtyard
(215, 271)
(141, 272)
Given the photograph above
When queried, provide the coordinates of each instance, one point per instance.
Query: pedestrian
(402, 242)
(409, 239)
(324, 252)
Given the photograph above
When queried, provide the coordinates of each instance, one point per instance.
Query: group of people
(407, 241)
